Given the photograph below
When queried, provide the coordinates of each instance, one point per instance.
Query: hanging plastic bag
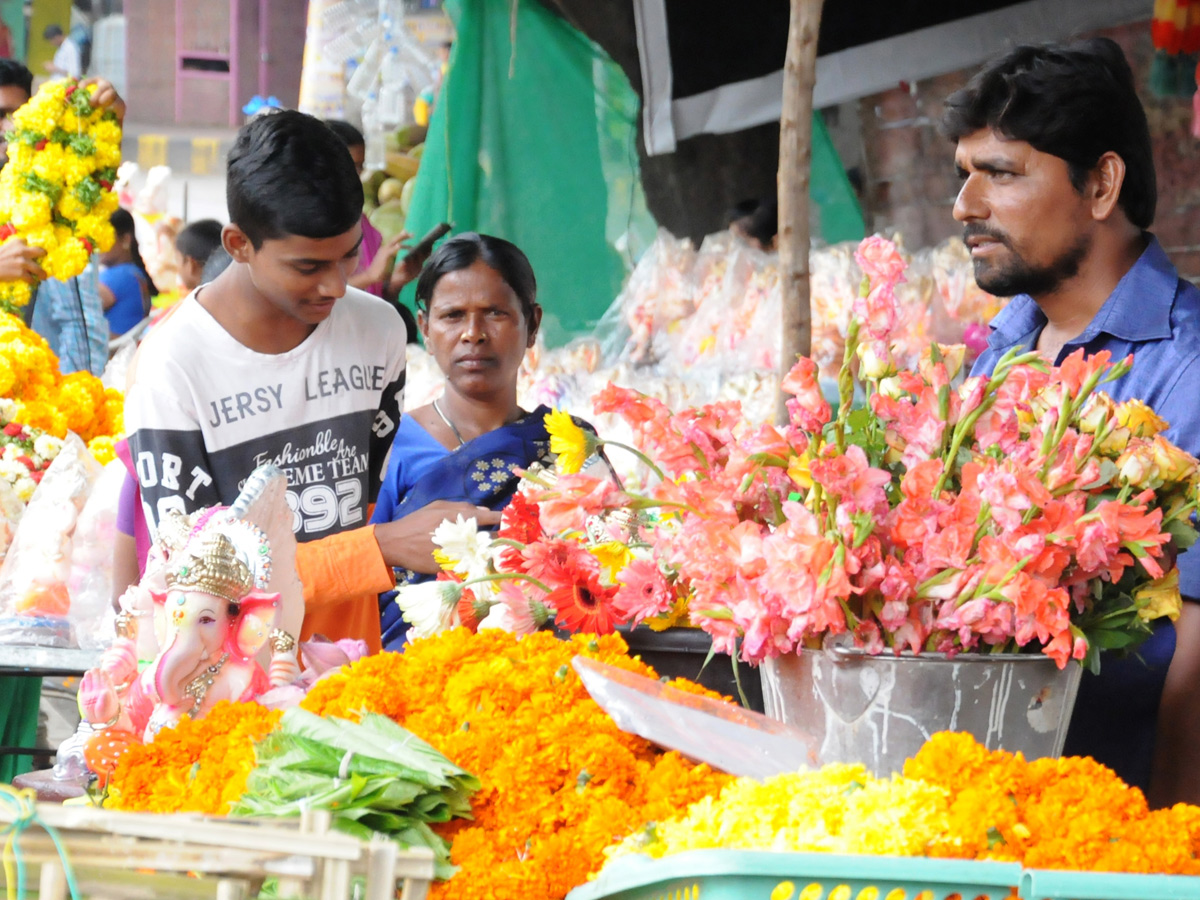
(35, 600)
(91, 580)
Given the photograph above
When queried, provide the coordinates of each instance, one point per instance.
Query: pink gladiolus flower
(809, 410)
(877, 311)
(880, 260)
(849, 476)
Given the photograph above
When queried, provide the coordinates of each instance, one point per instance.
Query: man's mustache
(977, 230)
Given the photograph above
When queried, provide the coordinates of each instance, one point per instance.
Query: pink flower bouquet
(1022, 511)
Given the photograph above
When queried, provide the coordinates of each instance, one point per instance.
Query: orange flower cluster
(42, 397)
(1070, 813)
(560, 780)
(199, 765)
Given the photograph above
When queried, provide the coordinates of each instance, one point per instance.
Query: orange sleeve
(343, 575)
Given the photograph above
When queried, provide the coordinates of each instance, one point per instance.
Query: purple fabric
(372, 242)
(130, 509)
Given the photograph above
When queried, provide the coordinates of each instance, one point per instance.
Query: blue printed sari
(481, 472)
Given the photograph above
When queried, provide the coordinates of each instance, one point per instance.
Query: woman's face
(476, 330)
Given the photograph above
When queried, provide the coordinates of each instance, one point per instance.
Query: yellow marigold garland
(955, 799)
(56, 190)
(197, 766)
(560, 780)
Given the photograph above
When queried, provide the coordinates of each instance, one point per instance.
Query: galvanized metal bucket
(879, 710)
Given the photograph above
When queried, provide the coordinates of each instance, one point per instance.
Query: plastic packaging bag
(34, 597)
(91, 580)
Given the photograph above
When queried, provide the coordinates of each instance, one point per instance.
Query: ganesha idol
(214, 611)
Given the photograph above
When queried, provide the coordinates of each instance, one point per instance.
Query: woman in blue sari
(478, 314)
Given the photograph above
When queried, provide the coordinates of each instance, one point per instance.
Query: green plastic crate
(751, 875)
(745, 875)
(1038, 884)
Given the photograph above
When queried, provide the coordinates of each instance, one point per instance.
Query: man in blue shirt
(1058, 191)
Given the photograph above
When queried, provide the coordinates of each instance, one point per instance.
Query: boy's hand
(106, 96)
(18, 261)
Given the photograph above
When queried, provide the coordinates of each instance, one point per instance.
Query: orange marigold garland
(198, 766)
(1069, 813)
(560, 780)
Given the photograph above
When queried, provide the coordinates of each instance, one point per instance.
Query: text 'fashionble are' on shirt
(205, 412)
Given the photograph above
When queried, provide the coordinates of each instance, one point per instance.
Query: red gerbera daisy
(519, 521)
(471, 610)
(584, 606)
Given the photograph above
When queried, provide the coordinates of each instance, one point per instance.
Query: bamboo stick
(795, 171)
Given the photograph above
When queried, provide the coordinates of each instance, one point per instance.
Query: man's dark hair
(1075, 101)
(464, 251)
(290, 174)
(52, 31)
(350, 135)
(13, 74)
(759, 219)
(199, 239)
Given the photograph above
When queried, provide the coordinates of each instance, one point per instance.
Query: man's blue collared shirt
(1153, 314)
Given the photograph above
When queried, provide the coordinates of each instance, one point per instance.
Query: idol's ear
(159, 597)
(250, 628)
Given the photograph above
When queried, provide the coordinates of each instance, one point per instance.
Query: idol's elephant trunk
(178, 664)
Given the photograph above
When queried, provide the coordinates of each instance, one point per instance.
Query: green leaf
(1183, 533)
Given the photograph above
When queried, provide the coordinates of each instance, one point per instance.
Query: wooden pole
(795, 169)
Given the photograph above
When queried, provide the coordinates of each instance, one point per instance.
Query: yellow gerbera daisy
(570, 443)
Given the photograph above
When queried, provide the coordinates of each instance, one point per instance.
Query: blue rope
(24, 804)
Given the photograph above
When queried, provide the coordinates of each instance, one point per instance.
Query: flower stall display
(559, 780)
(56, 189)
(954, 800)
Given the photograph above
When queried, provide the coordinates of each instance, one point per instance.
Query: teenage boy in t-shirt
(277, 360)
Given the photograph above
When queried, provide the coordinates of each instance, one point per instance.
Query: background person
(67, 61)
(125, 285)
(195, 245)
(376, 272)
(478, 314)
(1058, 192)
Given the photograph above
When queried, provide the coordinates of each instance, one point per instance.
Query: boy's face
(298, 276)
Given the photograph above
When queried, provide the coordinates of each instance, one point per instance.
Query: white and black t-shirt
(205, 411)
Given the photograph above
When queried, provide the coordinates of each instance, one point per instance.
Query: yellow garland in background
(38, 395)
(56, 190)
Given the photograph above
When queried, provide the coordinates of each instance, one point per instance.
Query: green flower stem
(637, 453)
(846, 385)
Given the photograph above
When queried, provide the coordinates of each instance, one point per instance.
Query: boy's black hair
(288, 173)
(199, 239)
(52, 31)
(13, 74)
(350, 135)
(465, 250)
(1075, 101)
